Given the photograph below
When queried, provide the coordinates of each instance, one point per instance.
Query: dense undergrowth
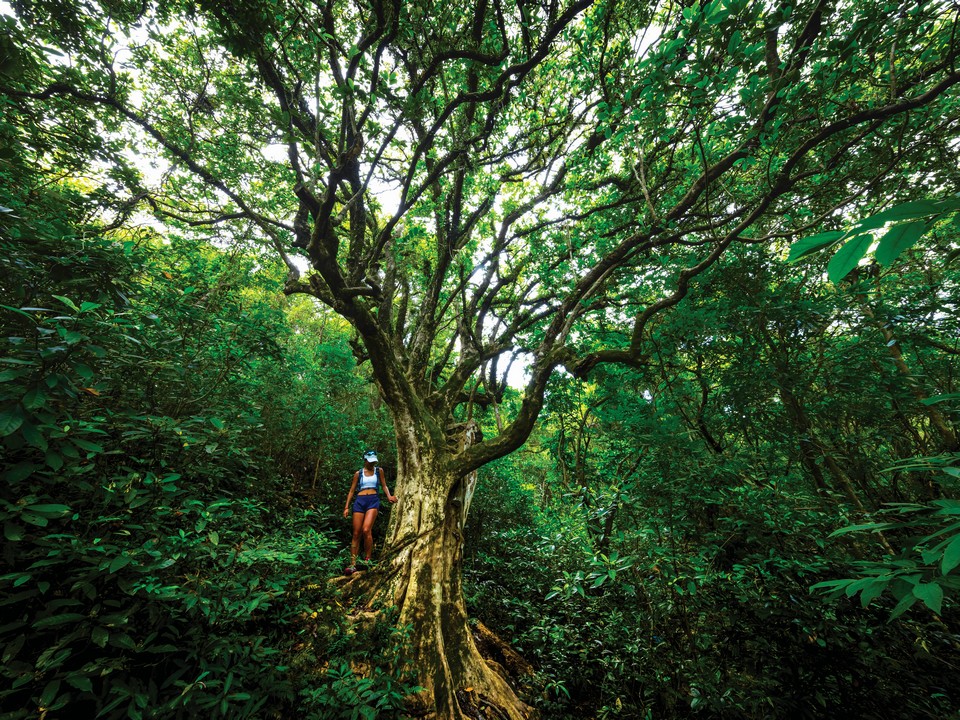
(156, 561)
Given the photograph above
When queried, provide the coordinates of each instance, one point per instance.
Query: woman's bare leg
(357, 533)
(368, 521)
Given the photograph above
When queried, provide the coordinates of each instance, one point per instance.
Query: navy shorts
(366, 502)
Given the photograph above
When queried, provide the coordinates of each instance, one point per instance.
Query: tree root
(495, 673)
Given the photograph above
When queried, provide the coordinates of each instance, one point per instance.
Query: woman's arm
(383, 481)
(353, 486)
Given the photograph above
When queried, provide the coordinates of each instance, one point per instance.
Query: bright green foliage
(905, 224)
(926, 569)
(156, 562)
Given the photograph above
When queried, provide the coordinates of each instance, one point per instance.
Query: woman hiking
(365, 507)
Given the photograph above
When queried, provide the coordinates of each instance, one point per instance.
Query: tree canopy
(600, 195)
(473, 182)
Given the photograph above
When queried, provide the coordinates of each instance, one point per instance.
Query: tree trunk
(420, 574)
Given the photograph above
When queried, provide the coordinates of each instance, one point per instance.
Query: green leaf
(12, 532)
(848, 257)
(934, 399)
(122, 640)
(909, 211)
(10, 421)
(872, 592)
(119, 562)
(861, 528)
(58, 619)
(49, 510)
(35, 398)
(86, 445)
(19, 472)
(858, 585)
(951, 556)
(54, 461)
(830, 585)
(80, 683)
(899, 238)
(931, 594)
(812, 244)
(19, 311)
(13, 648)
(33, 436)
(99, 636)
(906, 602)
(49, 693)
(68, 302)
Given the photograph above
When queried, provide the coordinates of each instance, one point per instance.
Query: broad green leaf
(874, 526)
(911, 210)
(812, 244)
(80, 683)
(848, 257)
(68, 302)
(49, 693)
(83, 370)
(951, 556)
(19, 311)
(122, 640)
(830, 585)
(119, 562)
(99, 636)
(898, 238)
(858, 585)
(35, 398)
(33, 436)
(58, 619)
(13, 648)
(86, 445)
(872, 592)
(10, 420)
(31, 519)
(19, 472)
(933, 400)
(54, 460)
(49, 510)
(906, 602)
(931, 594)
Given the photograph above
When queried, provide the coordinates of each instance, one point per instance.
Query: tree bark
(420, 575)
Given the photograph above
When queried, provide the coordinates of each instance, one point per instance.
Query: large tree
(472, 183)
